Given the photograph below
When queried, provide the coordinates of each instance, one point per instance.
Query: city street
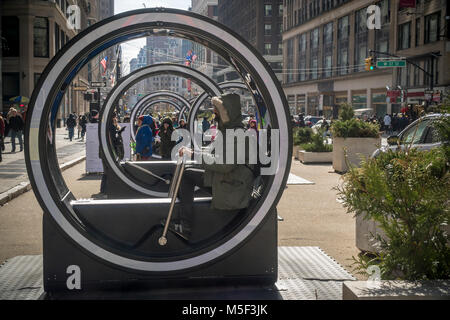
(354, 90)
(13, 170)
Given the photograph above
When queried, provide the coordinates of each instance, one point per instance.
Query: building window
(416, 76)
(327, 49)
(359, 101)
(417, 39)
(267, 29)
(36, 78)
(280, 10)
(267, 10)
(56, 38)
(432, 27)
(280, 28)
(315, 38)
(280, 48)
(290, 61)
(314, 53)
(404, 36)
(10, 34)
(10, 85)
(382, 35)
(343, 43)
(302, 57)
(40, 37)
(267, 48)
(361, 36)
(63, 38)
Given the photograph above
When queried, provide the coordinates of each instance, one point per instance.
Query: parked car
(311, 120)
(421, 134)
(315, 128)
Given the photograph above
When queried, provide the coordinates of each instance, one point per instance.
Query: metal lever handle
(176, 185)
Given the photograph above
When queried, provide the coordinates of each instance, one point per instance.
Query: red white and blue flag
(103, 63)
(190, 58)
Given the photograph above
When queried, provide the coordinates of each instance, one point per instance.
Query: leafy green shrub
(349, 127)
(407, 192)
(317, 144)
(346, 112)
(354, 128)
(302, 135)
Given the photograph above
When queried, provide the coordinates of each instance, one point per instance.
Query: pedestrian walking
(167, 144)
(71, 123)
(387, 123)
(16, 127)
(83, 122)
(2, 136)
(144, 138)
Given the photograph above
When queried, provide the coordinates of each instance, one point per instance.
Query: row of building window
(307, 10)
(431, 31)
(11, 41)
(361, 51)
(268, 49)
(268, 10)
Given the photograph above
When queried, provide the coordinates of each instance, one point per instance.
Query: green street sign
(391, 63)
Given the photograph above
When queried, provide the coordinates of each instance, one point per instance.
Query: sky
(130, 49)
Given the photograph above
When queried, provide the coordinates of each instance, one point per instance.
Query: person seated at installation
(230, 184)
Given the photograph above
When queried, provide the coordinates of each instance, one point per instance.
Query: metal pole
(177, 180)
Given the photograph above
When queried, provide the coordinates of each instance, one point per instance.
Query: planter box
(295, 151)
(315, 157)
(396, 290)
(356, 147)
(366, 229)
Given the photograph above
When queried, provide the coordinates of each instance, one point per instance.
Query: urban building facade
(162, 49)
(32, 33)
(206, 61)
(258, 22)
(326, 44)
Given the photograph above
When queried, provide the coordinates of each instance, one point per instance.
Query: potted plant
(407, 193)
(316, 151)
(352, 139)
(301, 136)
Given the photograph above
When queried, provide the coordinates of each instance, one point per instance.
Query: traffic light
(370, 63)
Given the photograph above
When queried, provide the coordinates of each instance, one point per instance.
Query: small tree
(407, 192)
(349, 127)
(346, 112)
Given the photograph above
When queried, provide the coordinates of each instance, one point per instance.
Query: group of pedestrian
(74, 121)
(149, 128)
(13, 125)
(394, 123)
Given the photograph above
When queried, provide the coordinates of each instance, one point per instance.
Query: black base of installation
(252, 266)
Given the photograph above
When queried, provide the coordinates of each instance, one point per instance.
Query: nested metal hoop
(46, 178)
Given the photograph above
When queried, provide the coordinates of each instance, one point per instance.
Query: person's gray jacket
(231, 183)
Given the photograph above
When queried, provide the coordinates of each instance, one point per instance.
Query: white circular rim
(201, 98)
(152, 95)
(174, 17)
(109, 105)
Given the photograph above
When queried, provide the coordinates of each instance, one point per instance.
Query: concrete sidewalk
(311, 215)
(13, 172)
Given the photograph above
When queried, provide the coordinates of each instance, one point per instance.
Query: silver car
(421, 134)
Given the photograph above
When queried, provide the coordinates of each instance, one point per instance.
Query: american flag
(190, 58)
(103, 63)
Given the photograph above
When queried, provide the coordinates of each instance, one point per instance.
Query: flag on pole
(190, 57)
(103, 63)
